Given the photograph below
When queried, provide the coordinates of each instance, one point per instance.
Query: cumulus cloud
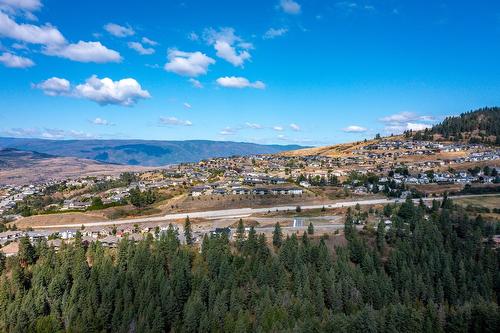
(19, 46)
(229, 53)
(253, 125)
(403, 121)
(28, 5)
(188, 63)
(399, 117)
(21, 7)
(228, 45)
(239, 82)
(13, 61)
(54, 86)
(101, 122)
(140, 48)
(119, 30)
(355, 129)
(417, 126)
(54, 42)
(290, 7)
(125, 92)
(273, 33)
(295, 127)
(29, 33)
(278, 128)
(148, 41)
(195, 83)
(227, 131)
(84, 52)
(175, 121)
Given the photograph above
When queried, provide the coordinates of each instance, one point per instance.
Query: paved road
(238, 212)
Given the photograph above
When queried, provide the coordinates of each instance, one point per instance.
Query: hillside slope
(142, 152)
(25, 167)
(482, 125)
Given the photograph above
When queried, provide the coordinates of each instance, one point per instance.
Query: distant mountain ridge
(142, 152)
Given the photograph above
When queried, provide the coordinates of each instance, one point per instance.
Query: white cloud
(54, 42)
(125, 92)
(84, 52)
(239, 82)
(351, 6)
(148, 41)
(355, 129)
(119, 30)
(278, 128)
(403, 121)
(14, 61)
(417, 126)
(227, 131)
(187, 105)
(290, 7)
(399, 117)
(273, 33)
(174, 121)
(188, 63)
(28, 5)
(253, 125)
(229, 53)
(228, 45)
(54, 86)
(295, 127)
(140, 49)
(193, 36)
(101, 122)
(19, 46)
(47, 133)
(29, 33)
(21, 7)
(195, 83)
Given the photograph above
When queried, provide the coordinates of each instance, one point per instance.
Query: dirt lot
(216, 202)
(65, 218)
(488, 202)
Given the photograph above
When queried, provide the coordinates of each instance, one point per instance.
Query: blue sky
(275, 71)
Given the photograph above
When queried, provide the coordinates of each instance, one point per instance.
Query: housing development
(394, 167)
(261, 166)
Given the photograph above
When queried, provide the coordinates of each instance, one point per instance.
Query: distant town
(397, 169)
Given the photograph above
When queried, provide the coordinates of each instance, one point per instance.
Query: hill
(142, 152)
(24, 167)
(482, 125)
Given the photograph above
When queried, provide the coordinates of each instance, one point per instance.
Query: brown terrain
(24, 167)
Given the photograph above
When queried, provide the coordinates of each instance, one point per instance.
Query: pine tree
(277, 235)
(310, 229)
(240, 234)
(188, 235)
(381, 236)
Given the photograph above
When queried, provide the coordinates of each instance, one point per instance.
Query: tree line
(430, 270)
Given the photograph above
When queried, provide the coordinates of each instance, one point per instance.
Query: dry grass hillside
(338, 150)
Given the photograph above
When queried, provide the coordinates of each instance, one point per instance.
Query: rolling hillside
(142, 152)
(24, 167)
(482, 125)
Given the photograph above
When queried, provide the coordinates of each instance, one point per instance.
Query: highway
(238, 212)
